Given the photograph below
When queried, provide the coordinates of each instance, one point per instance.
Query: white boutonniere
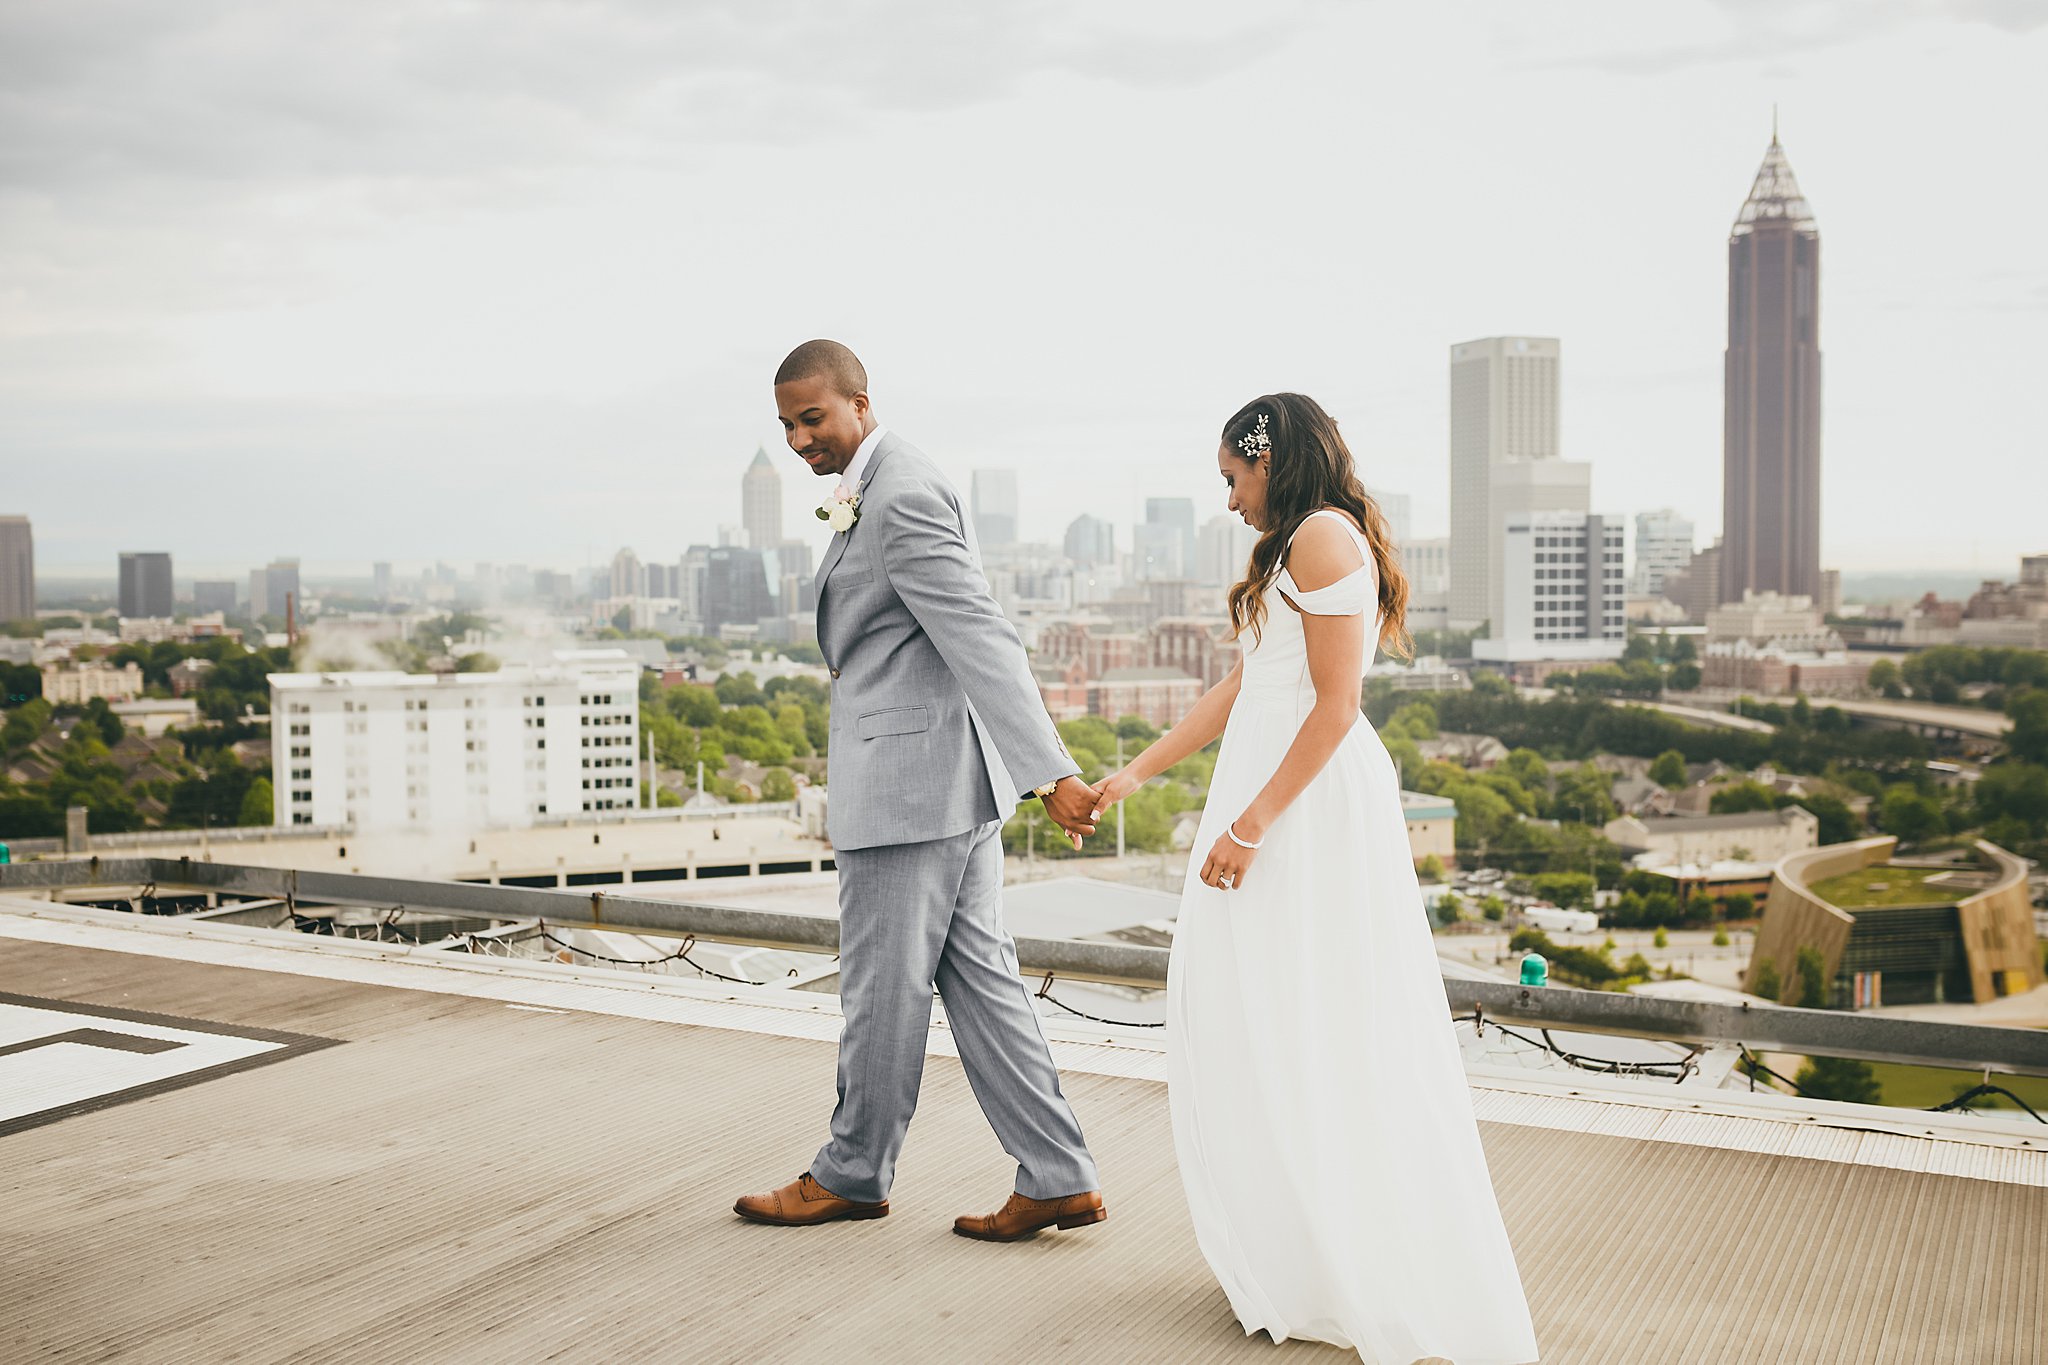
(841, 511)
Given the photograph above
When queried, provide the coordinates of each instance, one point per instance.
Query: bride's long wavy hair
(1308, 468)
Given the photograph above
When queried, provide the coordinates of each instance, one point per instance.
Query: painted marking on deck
(60, 1058)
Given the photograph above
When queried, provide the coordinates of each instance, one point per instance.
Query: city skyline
(383, 338)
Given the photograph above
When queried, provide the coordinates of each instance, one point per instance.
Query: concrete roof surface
(520, 1161)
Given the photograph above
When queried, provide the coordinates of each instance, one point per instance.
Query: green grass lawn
(1892, 886)
(1922, 1087)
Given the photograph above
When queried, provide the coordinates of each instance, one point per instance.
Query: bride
(1320, 1116)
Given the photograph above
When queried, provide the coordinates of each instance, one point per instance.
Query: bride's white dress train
(1320, 1113)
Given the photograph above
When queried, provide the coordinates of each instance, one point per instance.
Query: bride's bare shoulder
(1321, 553)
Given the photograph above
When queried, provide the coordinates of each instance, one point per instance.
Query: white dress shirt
(850, 480)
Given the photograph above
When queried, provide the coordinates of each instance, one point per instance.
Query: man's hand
(1074, 807)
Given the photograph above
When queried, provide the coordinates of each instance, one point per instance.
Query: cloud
(1743, 31)
(127, 92)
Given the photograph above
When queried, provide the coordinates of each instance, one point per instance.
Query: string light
(1045, 994)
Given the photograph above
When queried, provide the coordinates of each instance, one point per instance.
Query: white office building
(1663, 548)
(1563, 596)
(1504, 409)
(382, 751)
(1523, 489)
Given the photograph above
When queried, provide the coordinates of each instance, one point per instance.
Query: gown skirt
(1321, 1119)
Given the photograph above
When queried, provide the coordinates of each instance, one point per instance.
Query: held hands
(1229, 860)
(1115, 788)
(1075, 807)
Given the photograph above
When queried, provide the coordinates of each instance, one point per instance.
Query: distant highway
(1924, 717)
(1699, 715)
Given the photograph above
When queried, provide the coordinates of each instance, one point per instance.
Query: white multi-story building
(457, 750)
(1663, 547)
(1427, 563)
(1761, 616)
(1523, 489)
(1504, 409)
(79, 685)
(1563, 595)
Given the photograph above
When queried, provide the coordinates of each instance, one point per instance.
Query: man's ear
(860, 404)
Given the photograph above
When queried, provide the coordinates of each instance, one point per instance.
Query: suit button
(835, 672)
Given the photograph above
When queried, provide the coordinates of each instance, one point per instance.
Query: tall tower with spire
(1770, 481)
(761, 502)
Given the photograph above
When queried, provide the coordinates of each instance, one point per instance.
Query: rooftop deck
(508, 1160)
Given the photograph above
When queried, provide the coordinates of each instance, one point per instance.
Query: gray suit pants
(913, 917)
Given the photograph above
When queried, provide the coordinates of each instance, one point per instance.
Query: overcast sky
(362, 280)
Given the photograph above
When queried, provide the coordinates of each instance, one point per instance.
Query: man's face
(821, 424)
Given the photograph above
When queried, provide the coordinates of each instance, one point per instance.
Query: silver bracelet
(1231, 830)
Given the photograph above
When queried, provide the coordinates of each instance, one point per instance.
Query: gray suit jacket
(937, 725)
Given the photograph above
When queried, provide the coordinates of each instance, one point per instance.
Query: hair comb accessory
(1255, 443)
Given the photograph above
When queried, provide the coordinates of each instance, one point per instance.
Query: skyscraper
(1179, 514)
(1223, 548)
(1157, 552)
(213, 594)
(1770, 474)
(1399, 510)
(995, 507)
(628, 577)
(145, 584)
(1090, 541)
(271, 586)
(17, 570)
(1663, 548)
(380, 578)
(736, 588)
(1504, 393)
(761, 502)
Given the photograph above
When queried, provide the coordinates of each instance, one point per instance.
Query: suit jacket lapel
(838, 546)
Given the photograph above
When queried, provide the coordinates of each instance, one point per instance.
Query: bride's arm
(1321, 555)
(1198, 727)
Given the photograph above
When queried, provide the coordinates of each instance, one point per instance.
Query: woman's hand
(1228, 862)
(1115, 788)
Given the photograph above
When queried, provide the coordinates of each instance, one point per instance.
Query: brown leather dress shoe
(1022, 1217)
(803, 1202)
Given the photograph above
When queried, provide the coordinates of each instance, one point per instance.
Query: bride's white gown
(1320, 1113)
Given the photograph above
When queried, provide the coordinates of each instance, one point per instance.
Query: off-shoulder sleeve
(1350, 595)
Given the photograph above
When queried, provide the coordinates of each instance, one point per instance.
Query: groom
(937, 732)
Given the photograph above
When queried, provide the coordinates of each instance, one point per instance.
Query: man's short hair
(826, 360)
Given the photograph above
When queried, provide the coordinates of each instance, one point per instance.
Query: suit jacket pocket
(851, 577)
(900, 720)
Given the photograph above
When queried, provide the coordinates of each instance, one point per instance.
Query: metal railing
(1869, 1037)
